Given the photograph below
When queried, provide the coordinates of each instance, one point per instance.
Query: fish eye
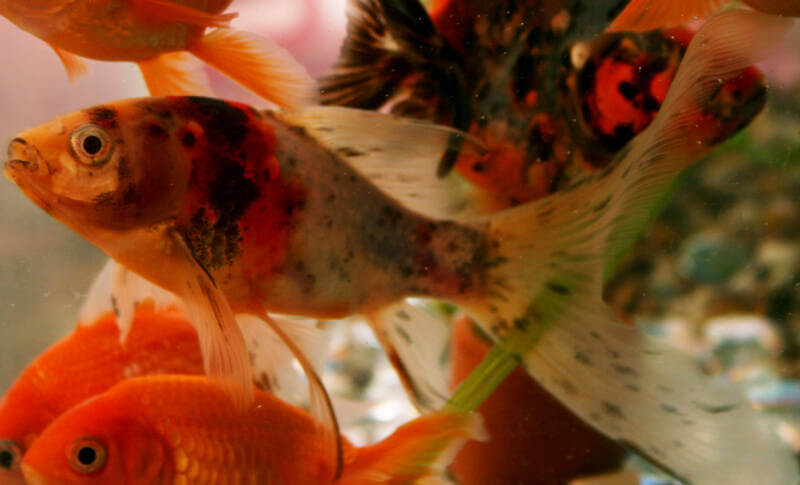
(91, 144)
(86, 455)
(10, 456)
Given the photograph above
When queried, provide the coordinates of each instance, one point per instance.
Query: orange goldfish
(243, 211)
(643, 15)
(183, 429)
(86, 363)
(158, 35)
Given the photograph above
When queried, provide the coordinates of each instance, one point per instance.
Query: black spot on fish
(402, 332)
(625, 370)
(225, 124)
(711, 409)
(188, 139)
(670, 409)
(583, 358)
(558, 288)
(403, 315)
(156, 130)
(103, 116)
(632, 387)
(613, 410)
(350, 152)
(602, 204)
(628, 90)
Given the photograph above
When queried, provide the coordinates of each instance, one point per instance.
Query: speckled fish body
(184, 430)
(276, 218)
(86, 363)
(551, 96)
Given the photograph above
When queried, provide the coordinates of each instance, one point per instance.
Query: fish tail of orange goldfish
(258, 64)
(420, 449)
(644, 15)
(175, 74)
(544, 280)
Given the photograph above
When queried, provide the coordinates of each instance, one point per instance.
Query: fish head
(116, 166)
(23, 416)
(96, 443)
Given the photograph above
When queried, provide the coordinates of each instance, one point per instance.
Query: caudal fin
(644, 15)
(420, 449)
(258, 64)
(544, 300)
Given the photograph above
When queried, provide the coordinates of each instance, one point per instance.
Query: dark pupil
(92, 144)
(6, 459)
(86, 455)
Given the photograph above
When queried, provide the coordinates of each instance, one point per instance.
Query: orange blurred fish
(183, 429)
(158, 35)
(86, 363)
(644, 15)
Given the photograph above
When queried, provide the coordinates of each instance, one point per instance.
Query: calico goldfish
(643, 15)
(551, 97)
(159, 36)
(183, 429)
(87, 362)
(236, 210)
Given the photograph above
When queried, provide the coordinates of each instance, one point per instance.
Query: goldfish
(643, 15)
(87, 362)
(551, 97)
(161, 36)
(183, 429)
(240, 211)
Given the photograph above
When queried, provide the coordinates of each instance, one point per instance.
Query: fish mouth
(22, 158)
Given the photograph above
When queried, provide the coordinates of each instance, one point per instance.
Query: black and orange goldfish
(243, 211)
(550, 96)
(159, 36)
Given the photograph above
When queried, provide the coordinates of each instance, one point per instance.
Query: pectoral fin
(74, 65)
(221, 342)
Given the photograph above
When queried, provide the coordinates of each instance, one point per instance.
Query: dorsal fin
(398, 155)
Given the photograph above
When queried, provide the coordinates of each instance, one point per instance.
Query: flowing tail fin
(175, 74)
(420, 449)
(259, 65)
(392, 49)
(545, 276)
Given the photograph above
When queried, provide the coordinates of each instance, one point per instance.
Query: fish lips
(22, 159)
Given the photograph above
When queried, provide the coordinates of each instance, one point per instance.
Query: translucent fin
(273, 362)
(545, 279)
(171, 11)
(221, 343)
(415, 342)
(120, 290)
(258, 64)
(74, 65)
(398, 155)
(175, 74)
(644, 15)
(416, 452)
(321, 406)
